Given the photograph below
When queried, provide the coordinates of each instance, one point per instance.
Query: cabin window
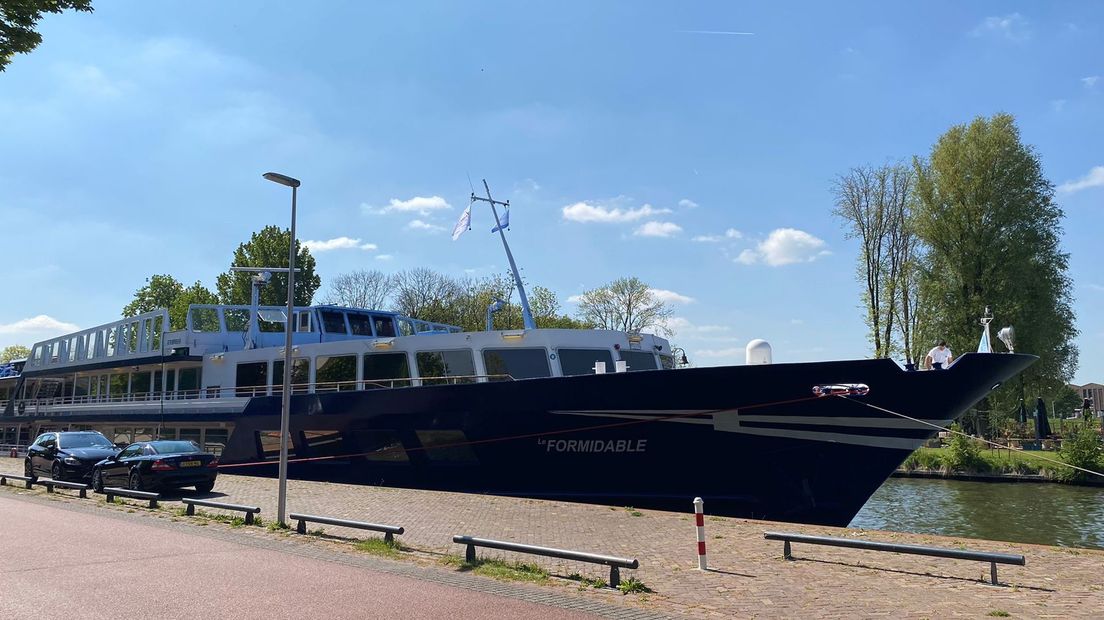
(385, 326)
(268, 443)
(90, 350)
(458, 365)
(192, 434)
(333, 322)
(335, 373)
(323, 443)
(237, 319)
(379, 446)
(188, 380)
(383, 370)
(118, 385)
(446, 446)
(300, 376)
(406, 327)
(205, 320)
(140, 383)
(517, 363)
(361, 324)
(639, 360)
(144, 434)
(581, 361)
(215, 440)
(667, 362)
(252, 379)
(304, 322)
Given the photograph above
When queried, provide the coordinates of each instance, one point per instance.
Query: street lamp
(285, 404)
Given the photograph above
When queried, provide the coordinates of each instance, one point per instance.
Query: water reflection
(1051, 514)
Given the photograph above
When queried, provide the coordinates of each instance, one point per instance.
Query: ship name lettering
(592, 446)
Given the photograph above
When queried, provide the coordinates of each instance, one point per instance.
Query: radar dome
(758, 352)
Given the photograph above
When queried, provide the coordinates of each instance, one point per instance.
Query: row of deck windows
(382, 370)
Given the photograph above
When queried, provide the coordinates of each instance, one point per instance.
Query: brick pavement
(749, 578)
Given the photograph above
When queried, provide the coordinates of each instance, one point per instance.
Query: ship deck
(748, 577)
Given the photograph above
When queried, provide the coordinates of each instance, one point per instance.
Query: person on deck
(939, 357)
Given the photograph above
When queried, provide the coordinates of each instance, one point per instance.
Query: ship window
(446, 446)
(382, 370)
(300, 376)
(333, 322)
(639, 360)
(380, 446)
(191, 434)
(268, 442)
(304, 322)
(361, 324)
(457, 364)
(517, 363)
(335, 373)
(140, 383)
(323, 443)
(215, 440)
(188, 380)
(205, 320)
(667, 361)
(250, 377)
(581, 361)
(118, 385)
(406, 327)
(90, 351)
(385, 326)
(143, 434)
(237, 319)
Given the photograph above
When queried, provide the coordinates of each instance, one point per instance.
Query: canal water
(1049, 514)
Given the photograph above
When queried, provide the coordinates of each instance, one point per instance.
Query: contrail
(728, 32)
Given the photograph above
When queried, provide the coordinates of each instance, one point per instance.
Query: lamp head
(282, 179)
(1007, 335)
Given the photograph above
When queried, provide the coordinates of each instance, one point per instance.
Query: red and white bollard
(14, 453)
(699, 519)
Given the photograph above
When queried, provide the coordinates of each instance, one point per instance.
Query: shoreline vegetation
(993, 465)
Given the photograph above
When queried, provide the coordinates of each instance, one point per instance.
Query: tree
(424, 294)
(269, 248)
(165, 291)
(626, 304)
(988, 218)
(360, 289)
(14, 352)
(873, 204)
(18, 19)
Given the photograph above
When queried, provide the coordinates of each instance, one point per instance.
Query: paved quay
(748, 577)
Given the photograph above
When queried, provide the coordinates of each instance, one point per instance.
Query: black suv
(67, 455)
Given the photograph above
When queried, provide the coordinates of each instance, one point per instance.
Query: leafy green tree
(194, 294)
(1066, 402)
(14, 352)
(626, 304)
(269, 248)
(18, 19)
(1081, 448)
(988, 218)
(165, 291)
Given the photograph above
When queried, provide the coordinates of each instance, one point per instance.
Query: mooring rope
(968, 436)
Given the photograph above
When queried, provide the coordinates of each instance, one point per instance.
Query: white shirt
(940, 356)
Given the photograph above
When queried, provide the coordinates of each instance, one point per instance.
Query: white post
(699, 518)
(599, 368)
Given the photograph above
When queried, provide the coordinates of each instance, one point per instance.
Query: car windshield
(174, 447)
(84, 440)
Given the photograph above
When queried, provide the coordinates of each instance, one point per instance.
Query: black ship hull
(752, 441)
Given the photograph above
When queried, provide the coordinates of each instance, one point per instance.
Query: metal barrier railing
(615, 563)
(388, 530)
(111, 492)
(871, 545)
(248, 510)
(50, 484)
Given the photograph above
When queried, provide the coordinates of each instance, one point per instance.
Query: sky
(693, 145)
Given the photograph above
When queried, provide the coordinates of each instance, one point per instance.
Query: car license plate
(191, 463)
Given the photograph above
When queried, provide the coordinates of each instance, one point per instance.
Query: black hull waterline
(752, 441)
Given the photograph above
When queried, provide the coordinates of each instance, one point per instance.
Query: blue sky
(631, 138)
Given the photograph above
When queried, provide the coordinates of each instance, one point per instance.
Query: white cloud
(785, 246)
(1012, 27)
(384, 257)
(670, 297)
(1095, 178)
(586, 211)
(684, 329)
(732, 352)
(731, 233)
(90, 80)
(423, 205)
(686, 203)
(423, 225)
(338, 243)
(41, 325)
(797, 322)
(1090, 81)
(574, 299)
(658, 229)
(1058, 105)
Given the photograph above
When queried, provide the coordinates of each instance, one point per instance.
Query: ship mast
(526, 315)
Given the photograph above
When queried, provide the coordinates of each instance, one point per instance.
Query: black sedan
(156, 466)
(69, 455)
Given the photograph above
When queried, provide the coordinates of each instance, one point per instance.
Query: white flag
(503, 222)
(462, 224)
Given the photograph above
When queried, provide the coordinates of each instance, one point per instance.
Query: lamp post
(285, 404)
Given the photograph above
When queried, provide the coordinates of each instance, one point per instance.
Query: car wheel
(205, 487)
(28, 470)
(135, 481)
(55, 472)
(97, 481)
